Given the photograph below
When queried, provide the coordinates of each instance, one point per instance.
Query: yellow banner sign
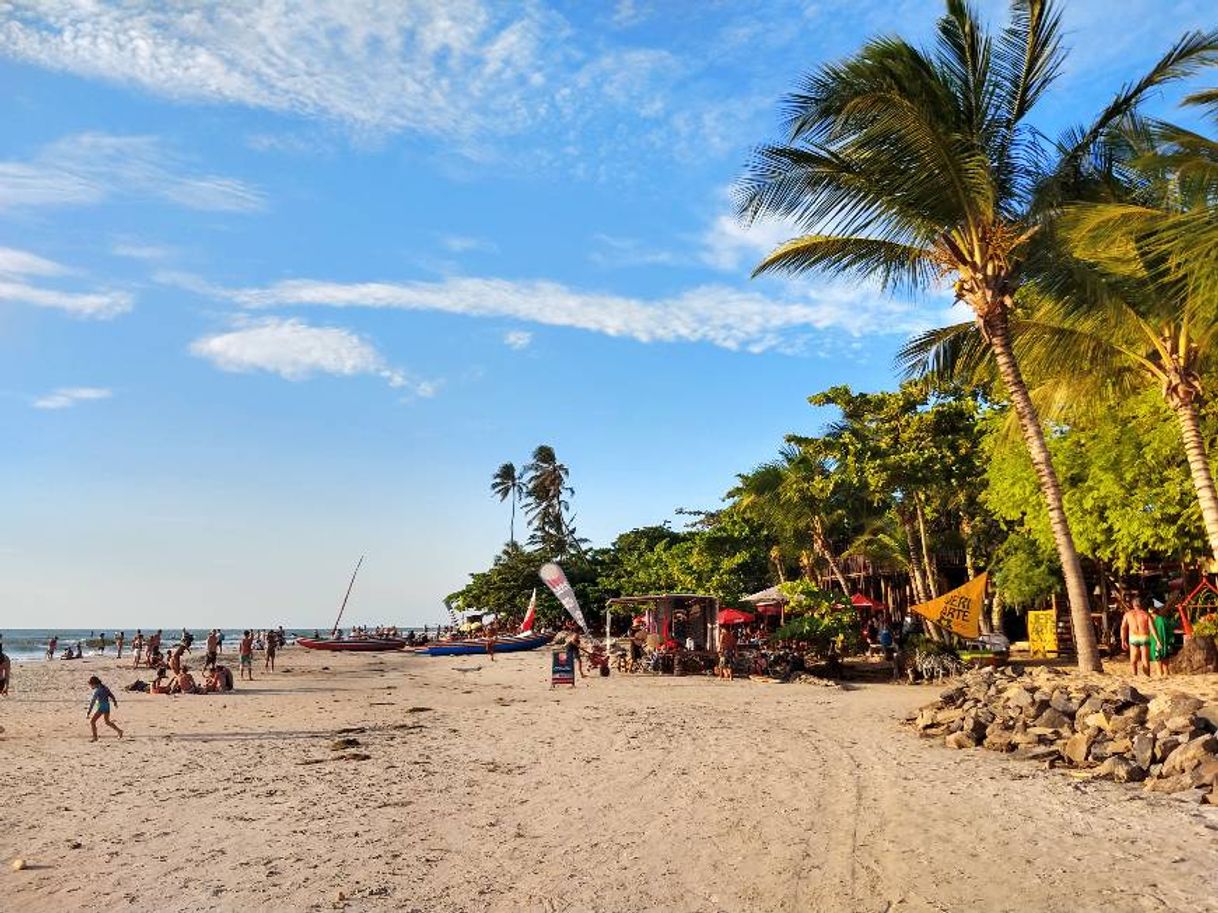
(1042, 632)
(958, 611)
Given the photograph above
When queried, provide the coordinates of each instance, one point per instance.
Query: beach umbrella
(734, 617)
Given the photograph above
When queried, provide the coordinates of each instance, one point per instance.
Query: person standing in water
(103, 699)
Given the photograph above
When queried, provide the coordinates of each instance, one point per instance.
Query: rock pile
(1112, 730)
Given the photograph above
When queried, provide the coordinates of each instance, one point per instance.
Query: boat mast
(342, 608)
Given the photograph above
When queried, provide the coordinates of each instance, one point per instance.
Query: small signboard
(1042, 633)
(562, 667)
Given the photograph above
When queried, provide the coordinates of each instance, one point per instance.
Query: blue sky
(283, 284)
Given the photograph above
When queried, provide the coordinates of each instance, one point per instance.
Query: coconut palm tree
(1117, 291)
(508, 483)
(906, 166)
(793, 496)
(547, 491)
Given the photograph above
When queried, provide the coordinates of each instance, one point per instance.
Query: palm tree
(793, 497)
(508, 483)
(907, 166)
(1107, 295)
(546, 490)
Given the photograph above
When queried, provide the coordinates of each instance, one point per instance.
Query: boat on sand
(352, 644)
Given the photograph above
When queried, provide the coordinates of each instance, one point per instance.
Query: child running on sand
(103, 697)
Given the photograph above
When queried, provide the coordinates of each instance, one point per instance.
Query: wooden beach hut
(675, 615)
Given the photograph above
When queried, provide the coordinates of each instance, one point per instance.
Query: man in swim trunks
(1136, 636)
(246, 652)
(213, 645)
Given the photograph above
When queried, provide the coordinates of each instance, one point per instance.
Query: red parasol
(862, 602)
(734, 617)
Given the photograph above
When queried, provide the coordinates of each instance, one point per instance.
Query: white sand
(627, 794)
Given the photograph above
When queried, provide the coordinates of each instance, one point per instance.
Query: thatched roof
(766, 596)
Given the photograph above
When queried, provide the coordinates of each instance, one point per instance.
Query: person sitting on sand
(1136, 636)
(162, 684)
(186, 682)
(102, 699)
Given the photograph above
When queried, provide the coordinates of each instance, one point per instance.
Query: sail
(958, 611)
(527, 625)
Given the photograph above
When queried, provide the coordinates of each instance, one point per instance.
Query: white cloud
(438, 68)
(613, 251)
(135, 250)
(517, 339)
(89, 168)
(461, 244)
(22, 263)
(66, 397)
(731, 318)
(17, 265)
(296, 351)
(730, 246)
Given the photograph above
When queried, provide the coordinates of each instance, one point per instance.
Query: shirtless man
(137, 648)
(175, 659)
(1136, 635)
(118, 642)
(213, 644)
(186, 682)
(246, 653)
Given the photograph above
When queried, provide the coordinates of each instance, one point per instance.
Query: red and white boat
(352, 644)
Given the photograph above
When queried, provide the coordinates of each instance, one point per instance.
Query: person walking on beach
(137, 648)
(103, 699)
(727, 651)
(51, 645)
(246, 653)
(1163, 628)
(272, 645)
(213, 645)
(118, 643)
(1136, 636)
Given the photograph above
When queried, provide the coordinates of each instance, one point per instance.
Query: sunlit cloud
(66, 397)
(17, 267)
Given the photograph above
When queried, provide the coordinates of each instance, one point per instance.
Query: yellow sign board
(1042, 632)
(958, 611)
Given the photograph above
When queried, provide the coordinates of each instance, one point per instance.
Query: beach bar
(676, 616)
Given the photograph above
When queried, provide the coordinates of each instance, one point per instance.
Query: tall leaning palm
(906, 167)
(507, 483)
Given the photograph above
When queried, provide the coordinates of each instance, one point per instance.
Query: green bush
(1206, 626)
(827, 622)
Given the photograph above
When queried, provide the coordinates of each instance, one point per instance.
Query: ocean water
(31, 643)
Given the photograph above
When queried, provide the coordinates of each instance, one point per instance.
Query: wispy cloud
(461, 244)
(730, 246)
(613, 251)
(518, 339)
(732, 318)
(90, 168)
(296, 351)
(135, 250)
(66, 397)
(18, 266)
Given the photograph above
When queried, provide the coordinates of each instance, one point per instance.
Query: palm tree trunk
(1199, 466)
(996, 331)
(932, 581)
(822, 545)
(996, 612)
(915, 565)
(512, 523)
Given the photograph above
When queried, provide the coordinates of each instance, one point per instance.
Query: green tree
(904, 165)
(507, 483)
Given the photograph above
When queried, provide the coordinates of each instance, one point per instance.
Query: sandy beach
(482, 790)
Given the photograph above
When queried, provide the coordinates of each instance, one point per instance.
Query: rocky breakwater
(1111, 730)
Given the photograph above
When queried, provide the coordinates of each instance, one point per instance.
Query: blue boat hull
(473, 647)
